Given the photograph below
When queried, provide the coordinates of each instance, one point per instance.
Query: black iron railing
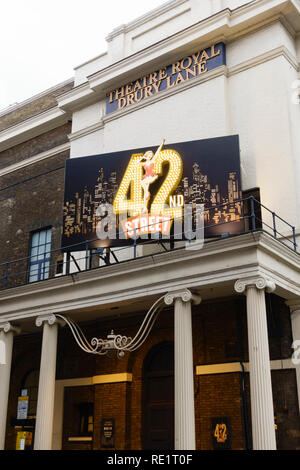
(252, 217)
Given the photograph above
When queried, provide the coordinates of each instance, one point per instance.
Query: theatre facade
(150, 239)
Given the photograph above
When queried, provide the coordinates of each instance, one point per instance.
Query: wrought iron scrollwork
(116, 344)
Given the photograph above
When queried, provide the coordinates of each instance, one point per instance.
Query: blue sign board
(168, 77)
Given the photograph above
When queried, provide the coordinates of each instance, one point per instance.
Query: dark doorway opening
(158, 398)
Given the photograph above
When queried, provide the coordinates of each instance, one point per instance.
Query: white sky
(41, 41)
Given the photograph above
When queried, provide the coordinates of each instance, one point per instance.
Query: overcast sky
(41, 41)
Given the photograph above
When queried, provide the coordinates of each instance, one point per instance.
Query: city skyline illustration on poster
(153, 185)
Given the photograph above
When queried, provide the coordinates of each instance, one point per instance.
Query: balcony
(254, 217)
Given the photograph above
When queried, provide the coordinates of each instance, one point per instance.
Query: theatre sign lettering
(167, 77)
(115, 198)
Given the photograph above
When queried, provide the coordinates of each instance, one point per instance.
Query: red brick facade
(216, 395)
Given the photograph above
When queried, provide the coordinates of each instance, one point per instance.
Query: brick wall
(111, 401)
(26, 357)
(31, 198)
(32, 147)
(286, 409)
(34, 106)
(73, 398)
(214, 325)
(218, 396)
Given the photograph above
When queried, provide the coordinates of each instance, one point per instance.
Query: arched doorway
(158, 398)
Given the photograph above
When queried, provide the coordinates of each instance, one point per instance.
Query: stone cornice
(31, 127)
(261, 58)
(86, 131)
(14, 107)
(35, 159)
(124, 28)
(212, 74)
(225, 25)
(219, 71)
(79, 96)
(164, 21)
(218, 264)
(161, 53)
(294, 306)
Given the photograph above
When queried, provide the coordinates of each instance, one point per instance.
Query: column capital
(259, 282)
(184, 294)
(51, 319)
(8, 327)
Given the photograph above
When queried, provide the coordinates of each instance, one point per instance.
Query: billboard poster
(145, 193)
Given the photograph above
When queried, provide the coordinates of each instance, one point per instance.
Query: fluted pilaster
(7, 332)
(262, 411)
(184, 370)
(45, 404)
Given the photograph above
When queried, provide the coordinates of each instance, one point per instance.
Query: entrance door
(78, 418)
(158, 398)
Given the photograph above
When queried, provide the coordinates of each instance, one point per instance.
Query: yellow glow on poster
(141, 172)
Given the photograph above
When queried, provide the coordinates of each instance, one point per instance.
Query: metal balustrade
(80, 257)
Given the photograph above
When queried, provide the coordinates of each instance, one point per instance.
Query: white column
(262, 410)
(184, 369)
(46, 391)
(295, 320)
(6, 337)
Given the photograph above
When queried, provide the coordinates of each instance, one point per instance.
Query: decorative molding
(144, 19)
(157, 53)
(185, 295)
(89, 61)
(78, 97)
(163, 273)
(7, 327)
(96, 380)
(233, 367)
(226, 368)
(285, 22)
(262, 58)
(294, 306)
(226, 22)
(32, 126)
(166, 20)
(13, 107)
(212, 74)
(217, 72)
(51, 319)
(86, 131)
(80, 439)
(224, 25)
(265, 57)
(35, 159)
(111, 378)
